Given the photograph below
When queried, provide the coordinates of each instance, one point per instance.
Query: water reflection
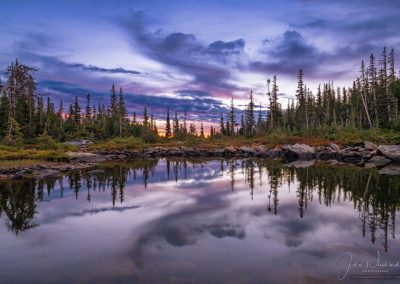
(182, 200)
(375, 197)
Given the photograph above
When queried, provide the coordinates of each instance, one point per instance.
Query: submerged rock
(247, 150)
(298, 151)
(301, 163)
(390, 151)
(379, 161)
(47, 173)
(390, 170)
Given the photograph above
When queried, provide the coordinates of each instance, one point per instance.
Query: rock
(334, 147)
(247, 150)
(350, 156)
(217, 152)
(379, 161)
(47, 173)
(298, 151)
(274, 153)
(261, 151)
(390, 170)
(370, 146)
(19, 175)
(230, 150)
(369, 166)
(327, 154)
(390, 151)
(79, 142)
(83, 157)
(301, 164)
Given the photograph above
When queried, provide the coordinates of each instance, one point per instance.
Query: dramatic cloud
(184, 54)
(209, 65)
(287, 55)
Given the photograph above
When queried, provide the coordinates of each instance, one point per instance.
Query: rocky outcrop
(390, 151)
(298, 151)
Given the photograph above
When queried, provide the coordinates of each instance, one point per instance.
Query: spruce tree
(168, 133)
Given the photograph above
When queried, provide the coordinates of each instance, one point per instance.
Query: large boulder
(298, 151)
(84, 157)
(247, 150)
(370, 146)
(390, 151)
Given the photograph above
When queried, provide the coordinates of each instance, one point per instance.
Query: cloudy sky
(192, 55)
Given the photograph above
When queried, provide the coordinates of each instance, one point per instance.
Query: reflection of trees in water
(17, 203)
(375, 197)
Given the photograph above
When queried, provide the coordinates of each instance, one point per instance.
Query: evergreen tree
(168, 132)
(250, 119)
(231, 119)
(202, 131)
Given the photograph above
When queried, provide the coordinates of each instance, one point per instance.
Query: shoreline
(385, 158)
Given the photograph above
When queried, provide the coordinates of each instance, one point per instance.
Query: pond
(201, 221)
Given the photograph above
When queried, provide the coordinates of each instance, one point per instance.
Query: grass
(55, 152)
(318, 137)
(32, 153)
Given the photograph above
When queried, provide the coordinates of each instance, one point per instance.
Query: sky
(192, 55)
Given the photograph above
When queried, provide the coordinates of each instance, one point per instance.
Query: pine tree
(77, 112)
(176, 126)
(231, 119)
(222, 125)
(88, 111)
(168, 125)
(250, 120)
(122, 113)
(202, 131)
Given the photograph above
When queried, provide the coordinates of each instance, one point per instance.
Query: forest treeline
(373, 101)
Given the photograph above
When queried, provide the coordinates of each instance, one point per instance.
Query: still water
(201, 221)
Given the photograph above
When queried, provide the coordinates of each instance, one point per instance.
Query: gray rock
(370, 146)
(274, 153)
(247, 150)
(47, 173)
(390, 170)
(230, 150)
(84, 157)
(369, 166)
(334, 147)
(328, 154)
(390, 151)
(379, 161)
(298, 151)
(350, 156)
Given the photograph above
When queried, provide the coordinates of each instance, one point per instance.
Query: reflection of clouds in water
(173, 231)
